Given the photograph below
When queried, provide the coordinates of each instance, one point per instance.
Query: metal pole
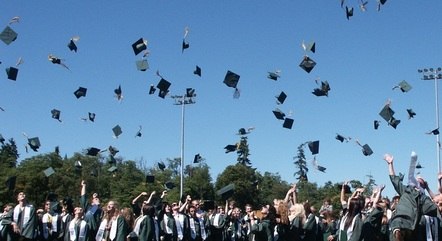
(436, 90)
(182, 148)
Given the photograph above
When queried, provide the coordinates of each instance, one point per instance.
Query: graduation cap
(307, 64)
(434, 132)
(91, 116)
(387, 114)
(113, 150)
(411, 113)
(34, 143)
(71, 45)
(394, 122)
(80, 92)
(139, 134)
(226, 191)
(313, 146)
(273, 75)
(92, 151)
(309, 47)
(161, 166)
(281, 98)
(142, 64)
(139, 46)
(323, 91)
(117, 131)
(150, 178)
(118, 93)
(279, 114)
(185, 45)
(340, 138)
(49, 171)
(57, 150)
(288, 123)
(348, 12)
(197, 158)
(321, 168)
(231, 79)
(376, 124)
(190, 92)
(10, 183)
(366, 150)
(8, 35)
(112, 169)
(12, 73)
(403, 86)
(56, 60)
(197, 71)
(152, 90)
(56, 114)
(363, 5)
(163, 86)
(381, 2)
(169, 185)
(231, 148)
(418, 166)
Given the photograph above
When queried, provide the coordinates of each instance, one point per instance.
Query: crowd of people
(413, 214)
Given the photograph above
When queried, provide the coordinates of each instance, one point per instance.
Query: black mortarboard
(80, 92)
(56, 114)
(10, 183)
(8, 35)
(226, 191)
(150, 179)
(112, 169)
(242, 131)
(113, 150)
(152, 90)
(34, 143)
(346, 188)
(161, 166)
(281, 97)
(366, 150)
(92, 151)
(348, 12)
(321, 168)
(307, 64)
(139, 134)
(313, 146)
(340, 138)
(117, 131)
(163, 86)
(91, 116)
(57, 150)
(288, 123)
(394, 123)
(49, 171)
(376, 124)
(273, 75)
(411, 113)
(386, 113)
(418, 166)
(185, 45)
(142, 65)
(279, 114)
(197, 71)
(309, 47)
(139, 46)
(12, 73)
(118, 92)
(323, 91)
(190, 92)
(231, 79)
(230, 148)
(197, 158)
(403, 86)
(72, 46)
(169, 185)
(434, 132)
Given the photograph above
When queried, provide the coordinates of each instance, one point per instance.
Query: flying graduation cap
(403, 86)
(318, 167)
(197, 71)
(12, 73)
(80, 92)
(411, 113)
(117, 131)
(231, 80)
(288, 123)
(118, 93)
(161, 166)
(142, 64)
(231, 148)
(307, 64)
(139, 46)
(376, 124)
(34, 143)
(152, 89)
(323, 91)
(92, 151)
(91, 116)
(381, 2)
(56, 60)
(313, 146)
(387, 114)
(56, 114)
(309, 47)
(8, 35)
(273, 75)
(366, 149)
(281, 98)
(139, 134)
(434, 132)
(279, 114)
(185, 45)
(348, 12)
(163, 86)
(197, 158)
(341, 138)
(72, 43)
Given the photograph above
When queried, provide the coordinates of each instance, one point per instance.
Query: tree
(301, 164)
(198, 182)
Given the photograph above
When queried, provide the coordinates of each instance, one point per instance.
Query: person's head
(264, 212)
(128, 215)
(232, 204)
(192, 211)
(326, 202)
(248, 208)
(78, 212)
(196, 204)
(220, 209)
(95, 199)
(112, 208)
(21, 197)
(175, 207)
(236, 213)
(166, 207)
(297, 210)
(47, 207)
(7, 207)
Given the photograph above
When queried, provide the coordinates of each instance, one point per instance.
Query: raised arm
(138, 197)
(389, 159)
(149, 200)
(289, 196)
(343, 201)
(83, 188)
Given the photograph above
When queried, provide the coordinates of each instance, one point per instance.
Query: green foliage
(243, 151)
(301, 164)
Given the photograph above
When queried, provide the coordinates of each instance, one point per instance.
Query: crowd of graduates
(412, 214)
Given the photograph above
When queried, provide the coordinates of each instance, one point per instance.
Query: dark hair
(355, 207)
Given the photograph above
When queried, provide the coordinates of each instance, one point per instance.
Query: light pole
(434, 74)
(183, 100)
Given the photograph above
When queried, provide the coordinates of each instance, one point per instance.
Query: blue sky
(362, 59)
